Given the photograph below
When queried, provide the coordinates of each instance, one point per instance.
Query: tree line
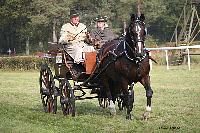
(34, 22)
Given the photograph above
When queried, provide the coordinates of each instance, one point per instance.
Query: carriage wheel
(67, 98)
(47, 90)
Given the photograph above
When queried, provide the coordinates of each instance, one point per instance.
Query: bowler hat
(73, 13)
(101, 18)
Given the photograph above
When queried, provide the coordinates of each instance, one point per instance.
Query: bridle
(137, 42)
(137, 25)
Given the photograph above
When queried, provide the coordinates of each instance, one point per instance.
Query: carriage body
(62, 70)
(59, 58)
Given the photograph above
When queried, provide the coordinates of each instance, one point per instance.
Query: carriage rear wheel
(67, 98)
(47, 90)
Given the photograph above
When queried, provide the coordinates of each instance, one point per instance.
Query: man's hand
(88, 36)
(87, 33)
(70, 38)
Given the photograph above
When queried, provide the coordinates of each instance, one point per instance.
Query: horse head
(136, 33)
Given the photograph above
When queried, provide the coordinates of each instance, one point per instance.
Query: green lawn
(176, 104)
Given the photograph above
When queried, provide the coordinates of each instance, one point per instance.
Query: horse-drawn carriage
(121, 63)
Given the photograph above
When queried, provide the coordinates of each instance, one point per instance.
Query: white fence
(174, 48)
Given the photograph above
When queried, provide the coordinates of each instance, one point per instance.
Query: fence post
(150, 61)
(188, 54)
(167, 60)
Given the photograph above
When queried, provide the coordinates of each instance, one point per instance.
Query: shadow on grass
(83, 108)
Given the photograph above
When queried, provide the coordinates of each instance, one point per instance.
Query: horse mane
(128, 36)
(108, 46)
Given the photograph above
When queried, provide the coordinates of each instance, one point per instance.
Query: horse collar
(137, 59)
(126, 53)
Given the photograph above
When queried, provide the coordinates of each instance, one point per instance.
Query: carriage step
(64, 100)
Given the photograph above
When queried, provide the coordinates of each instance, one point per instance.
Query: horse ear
(142, 17)
(133, 17)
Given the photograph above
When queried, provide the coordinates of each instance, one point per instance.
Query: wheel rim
(49, 100)
(67, 98)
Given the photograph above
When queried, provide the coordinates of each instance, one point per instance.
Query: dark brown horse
(123, 63)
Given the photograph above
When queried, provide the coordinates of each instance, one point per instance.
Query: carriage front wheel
(67, 98)
(47, 89)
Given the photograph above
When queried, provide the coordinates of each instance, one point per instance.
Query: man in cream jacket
(73, 34)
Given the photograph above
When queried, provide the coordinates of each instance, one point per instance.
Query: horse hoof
(148, 108)
(120, 109)
(128, 117)
(112, 109)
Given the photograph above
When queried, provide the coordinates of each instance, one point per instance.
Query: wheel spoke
(68, 107)
(49, 101)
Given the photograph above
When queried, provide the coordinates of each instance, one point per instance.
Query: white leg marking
(112, 108)
(148, 108)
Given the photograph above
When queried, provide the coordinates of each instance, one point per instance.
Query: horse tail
(153, 59)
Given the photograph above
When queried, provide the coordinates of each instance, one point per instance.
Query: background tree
(46, 16)
(162, 27)
(14, 17)
(38, 21)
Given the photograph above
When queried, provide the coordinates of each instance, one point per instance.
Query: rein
(104, 68)
(135, 57)
(83, 29)
(126, 53)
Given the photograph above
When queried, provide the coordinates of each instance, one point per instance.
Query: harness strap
(115, 57)
(104, 68)
(132, 59)
(138, 70)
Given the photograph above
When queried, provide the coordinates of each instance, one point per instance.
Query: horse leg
(121, 102)
(111, 105)
(129, 96)
(149, 92)
(103, 100)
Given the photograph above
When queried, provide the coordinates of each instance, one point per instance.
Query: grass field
(176, 106)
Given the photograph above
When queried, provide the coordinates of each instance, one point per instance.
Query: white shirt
(69, 29)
